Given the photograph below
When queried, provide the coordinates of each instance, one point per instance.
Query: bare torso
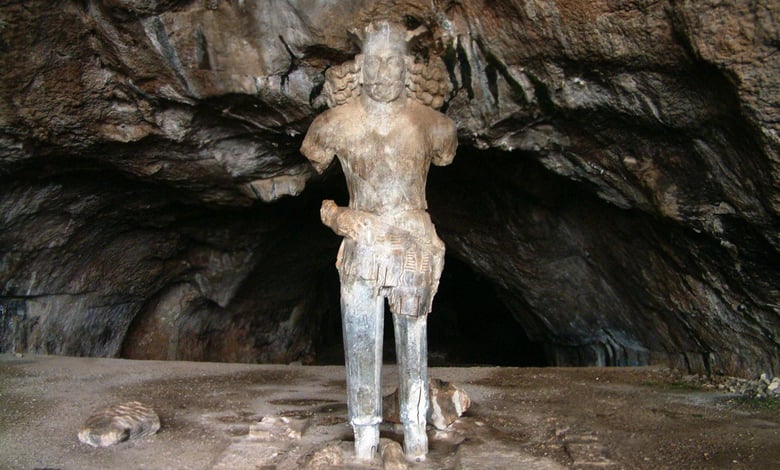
(385, 157)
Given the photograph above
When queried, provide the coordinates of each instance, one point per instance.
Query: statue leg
(362, 315)
(412, 354)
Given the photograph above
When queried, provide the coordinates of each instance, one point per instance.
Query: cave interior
(614, 201)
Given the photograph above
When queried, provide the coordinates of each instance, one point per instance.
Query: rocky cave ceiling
(614, 200)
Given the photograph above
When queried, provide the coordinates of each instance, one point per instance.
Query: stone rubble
(339, 454)
(275, 428)
(762, 388)
(448, 402)
(392, 455)
(329, 456)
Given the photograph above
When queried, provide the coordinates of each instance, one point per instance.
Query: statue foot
(366, 441)
(415, 441)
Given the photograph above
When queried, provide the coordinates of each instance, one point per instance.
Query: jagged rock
(762, 387)
(392, 455)
(331, 455)
(118, 423)
(447, 403)
(620, 162)
(774, 387)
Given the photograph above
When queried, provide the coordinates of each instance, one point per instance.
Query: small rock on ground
(276, 428)
(447, 403)
(118, 423)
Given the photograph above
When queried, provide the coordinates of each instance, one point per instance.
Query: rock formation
(617, 181)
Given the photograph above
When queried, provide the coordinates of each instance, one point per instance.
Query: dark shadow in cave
(469, 326)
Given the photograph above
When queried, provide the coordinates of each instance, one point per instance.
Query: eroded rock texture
(618, 183)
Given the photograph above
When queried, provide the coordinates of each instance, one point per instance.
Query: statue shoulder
(445, 125)
(441, 130)
(429, 117)
(334, 119)
(326, 135)
(318, 145)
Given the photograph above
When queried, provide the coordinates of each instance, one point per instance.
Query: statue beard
(384, 92)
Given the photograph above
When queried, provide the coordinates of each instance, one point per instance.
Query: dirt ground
(551, 418)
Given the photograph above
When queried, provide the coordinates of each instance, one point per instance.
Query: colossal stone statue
(385, 130)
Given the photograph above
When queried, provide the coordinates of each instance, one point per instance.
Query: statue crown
(383, 35)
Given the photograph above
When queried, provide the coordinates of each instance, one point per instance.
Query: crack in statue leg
(412, 355)
(363, 324)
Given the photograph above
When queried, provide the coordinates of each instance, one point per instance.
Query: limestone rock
(392, 454)
(331, 455)
(340, 454)
(621, 194)
(118, 423)
(279, 428)
(448, 402)
(774, 386)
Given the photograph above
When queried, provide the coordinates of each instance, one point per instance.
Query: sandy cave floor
(631, 418)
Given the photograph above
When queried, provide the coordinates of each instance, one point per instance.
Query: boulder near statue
(384, 128)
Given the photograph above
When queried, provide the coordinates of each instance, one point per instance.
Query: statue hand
(328, 212)
(347, 222)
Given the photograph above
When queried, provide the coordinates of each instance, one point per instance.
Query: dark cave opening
(607, 205)
(469, 326)
(200, 307)
(164, 276)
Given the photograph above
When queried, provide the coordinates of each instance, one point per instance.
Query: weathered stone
(448, 402)
(392, 454)
(119, 423)
(279, 428)
(774, 387)
(386, 139)
(618, 181)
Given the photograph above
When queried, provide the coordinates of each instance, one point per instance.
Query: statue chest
(396, 155)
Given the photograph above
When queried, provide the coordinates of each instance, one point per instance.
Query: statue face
(384, 75)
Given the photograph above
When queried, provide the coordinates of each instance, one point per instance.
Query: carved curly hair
(428, 83)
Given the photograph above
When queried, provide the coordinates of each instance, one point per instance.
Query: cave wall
(618, 179)
(599, 284)
(98, 265)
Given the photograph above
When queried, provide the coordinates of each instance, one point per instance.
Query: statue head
(384, 71)
(384, 61)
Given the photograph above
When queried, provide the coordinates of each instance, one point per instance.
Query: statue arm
(446, 141)
(347, 222)
(316, 147)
